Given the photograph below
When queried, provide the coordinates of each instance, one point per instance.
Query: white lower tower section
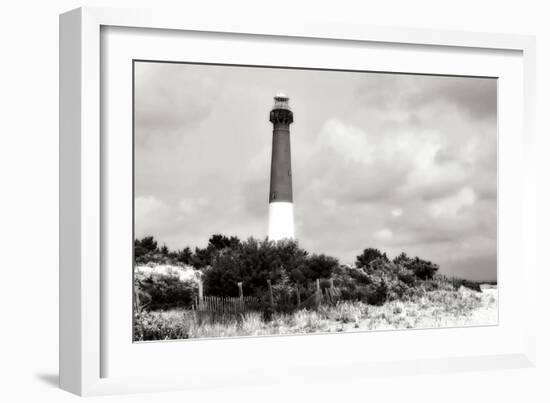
(281, 221)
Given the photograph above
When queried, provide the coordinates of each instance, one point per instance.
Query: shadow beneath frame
(49, 379)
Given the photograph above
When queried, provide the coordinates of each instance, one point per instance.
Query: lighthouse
(281, 210)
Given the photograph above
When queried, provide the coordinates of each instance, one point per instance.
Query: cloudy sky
(397, 162)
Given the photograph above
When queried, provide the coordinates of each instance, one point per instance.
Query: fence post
(240, 285)
(201, 295)
(270, 293)
(318, 293)
(332, 283)
(298, 295)
(136, 300)
(241, 299)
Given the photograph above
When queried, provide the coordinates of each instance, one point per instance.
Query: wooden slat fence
(222, 309)
(331, 296)
(328, 296)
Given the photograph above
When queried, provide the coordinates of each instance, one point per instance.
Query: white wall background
(29, 201)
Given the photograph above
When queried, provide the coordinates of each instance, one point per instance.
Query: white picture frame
(83, 175)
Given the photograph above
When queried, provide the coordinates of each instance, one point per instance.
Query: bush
(351, 282)
(472, 285)
(156, 326)
(160, 291)
(405, 275)
(376, 293)
(422, 269)
(253, 262)
(217, 243)
(318, 266)
(375, 284)
(368, 256)
(144, 249)
(283, 294)
(226, 261)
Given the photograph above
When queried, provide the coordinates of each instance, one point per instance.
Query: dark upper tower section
(281, 173)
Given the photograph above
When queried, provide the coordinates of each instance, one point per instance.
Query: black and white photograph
(285, 201)
(238, 201)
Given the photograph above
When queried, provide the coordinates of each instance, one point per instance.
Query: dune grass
(441, 308)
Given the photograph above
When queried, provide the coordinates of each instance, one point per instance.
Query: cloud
(169, 106)
(361, 186)
(397, 162)
(453, 205)
(149, 215)
(474, 96)
(191, 206)
(397, 212)
(384, 234)
(346, 162)
(146, 206)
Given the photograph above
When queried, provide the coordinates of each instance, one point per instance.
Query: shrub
(204, 257)
(283, 294)
(184, 256)
(368, 256)
(351, 282)
(472, 285)
(438, 282)
(253, 262)
(226, 261)
(318, 266)
(422, 269)
(159, 326)
(144, 249)
(160, 291)
(380, 281)
(405, 275)
(376, 293)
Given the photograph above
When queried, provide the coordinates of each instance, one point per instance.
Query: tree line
(226, 261)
